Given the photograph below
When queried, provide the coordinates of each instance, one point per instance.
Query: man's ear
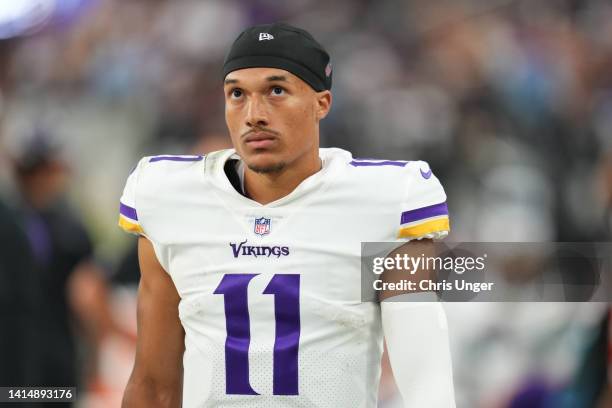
(323, 103)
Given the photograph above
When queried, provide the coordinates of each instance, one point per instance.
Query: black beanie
(282, 46)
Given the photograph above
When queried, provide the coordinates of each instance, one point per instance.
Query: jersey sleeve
(424, 213)
(128, 212)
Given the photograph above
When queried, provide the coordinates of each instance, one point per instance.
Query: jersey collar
(215, 173)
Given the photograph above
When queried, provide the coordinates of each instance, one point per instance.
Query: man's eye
(236, 93)
(277, 90)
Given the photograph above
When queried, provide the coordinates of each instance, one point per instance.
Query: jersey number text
(286, 291)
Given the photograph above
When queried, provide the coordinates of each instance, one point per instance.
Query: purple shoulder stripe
(398, 163)
(128, 211)
(424, 212)
(175, 158)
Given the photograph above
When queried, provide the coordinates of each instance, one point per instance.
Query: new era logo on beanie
(265, 36)
(293, 50)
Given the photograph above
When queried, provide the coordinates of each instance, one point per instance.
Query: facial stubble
(271, 169)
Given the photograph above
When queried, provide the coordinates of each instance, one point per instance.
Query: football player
(250, 257)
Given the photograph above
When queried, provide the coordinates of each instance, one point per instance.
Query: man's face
(273, 117)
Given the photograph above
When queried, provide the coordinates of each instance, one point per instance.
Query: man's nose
(256, 113)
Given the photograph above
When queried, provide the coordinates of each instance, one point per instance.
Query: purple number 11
(286, 291)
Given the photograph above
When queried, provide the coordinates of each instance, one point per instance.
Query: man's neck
(268, 187)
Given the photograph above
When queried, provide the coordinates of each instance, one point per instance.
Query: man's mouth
(260, 140)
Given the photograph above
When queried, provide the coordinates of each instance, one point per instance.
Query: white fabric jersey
(270, 294)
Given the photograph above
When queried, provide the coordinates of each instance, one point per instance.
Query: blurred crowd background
(510, 101)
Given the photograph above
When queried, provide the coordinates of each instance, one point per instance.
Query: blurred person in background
(67, 287)
(16, 301)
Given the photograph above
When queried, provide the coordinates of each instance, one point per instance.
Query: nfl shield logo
(262, 226)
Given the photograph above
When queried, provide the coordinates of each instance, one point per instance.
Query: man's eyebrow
(277, 78)
(230, 81)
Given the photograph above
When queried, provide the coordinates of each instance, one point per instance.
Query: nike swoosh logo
(426, 174)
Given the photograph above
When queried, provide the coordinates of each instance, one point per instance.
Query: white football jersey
(270, 294)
